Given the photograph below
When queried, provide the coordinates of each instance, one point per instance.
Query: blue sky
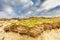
(29, 8)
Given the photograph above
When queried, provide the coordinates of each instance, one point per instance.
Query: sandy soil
(53, 34)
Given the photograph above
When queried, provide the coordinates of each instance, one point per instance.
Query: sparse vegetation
(31, 22)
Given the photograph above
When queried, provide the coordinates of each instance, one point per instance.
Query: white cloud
(48, 4)
(8, 6)
(24, 1)
(8, 9)
(27, 8)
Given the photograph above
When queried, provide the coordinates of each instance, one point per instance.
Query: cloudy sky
(29, 8)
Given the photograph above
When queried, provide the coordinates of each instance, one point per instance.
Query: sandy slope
(53, 34)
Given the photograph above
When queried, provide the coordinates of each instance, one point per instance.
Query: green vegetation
(31, 22)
